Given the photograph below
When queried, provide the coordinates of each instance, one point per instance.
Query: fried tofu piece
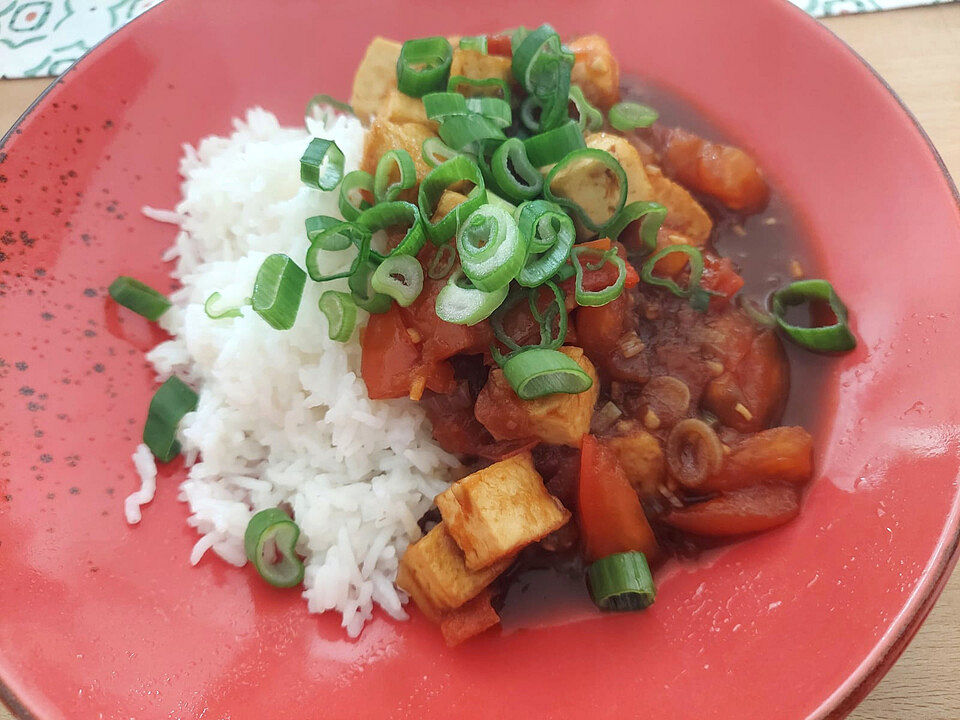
(470, 619)
(638, 184)
(595, 70)
(498, 510)
(434, 572)
(447, 202)
(641, 456)
(399, 108)
(376, 76)
(384, 135)
(477, 66)
(558, 419)
(592, 186)
(684, 213)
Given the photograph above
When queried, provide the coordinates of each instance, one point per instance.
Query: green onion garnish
(626, 116)
(474, 42)
(756, 312)
(443, 261)
(323, 102)
(596, 298)
(392, 214)
(317, 224)
(270, 542)
(622, 581)
(351, 202)
(340, 309)
(610, 163)
(400, 159)
(469, 133)
(277, 291)
(555, 310)
(490, 247)
(553, 145)
(493, 109)
(461, 303)
(435, 152)
(452, 172)
(589, 118)
(321, 165)
(400, 277)
(170, 403)
(139, 297)
(514, 175)
(693, 289)
(423, 66)
(362, 291)
(337, 237)
(549, 235)
(827, 338)
(480, 88)
(543, 69)
(439, 105)
(230, 312)
(537, 372)
(653, 213)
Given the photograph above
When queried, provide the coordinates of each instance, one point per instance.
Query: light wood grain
(917, 51)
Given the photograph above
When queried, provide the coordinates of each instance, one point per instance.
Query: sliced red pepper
(739, 512)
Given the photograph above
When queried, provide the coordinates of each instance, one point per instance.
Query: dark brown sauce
(541, 592)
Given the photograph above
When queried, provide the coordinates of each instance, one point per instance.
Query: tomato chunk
(611, 516)
(720, 277)
(782, 454)
(739, 512)
(605, 275)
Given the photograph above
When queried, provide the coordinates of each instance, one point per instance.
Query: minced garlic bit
(416, 389)
(726, 449)
(670, 496)
(796, 269)
(770, 221)
(715, 367)
(630, 345)
(743, 411)
(414, 335)
(651, 420)
(740, 230)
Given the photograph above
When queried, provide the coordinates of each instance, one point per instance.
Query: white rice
(283, 418)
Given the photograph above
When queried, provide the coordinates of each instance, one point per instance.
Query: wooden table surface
(918, 52)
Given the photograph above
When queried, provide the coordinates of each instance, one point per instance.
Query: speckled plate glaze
(101, 620)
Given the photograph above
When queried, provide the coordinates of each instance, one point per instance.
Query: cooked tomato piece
(442, 340)
(720, 277)
(605, 275)
(739, 512)
(499, 45)
(611, 516)
(783, 454)
(599, 330)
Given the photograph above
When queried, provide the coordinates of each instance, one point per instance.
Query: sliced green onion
(626, 116)
(339, 237)
(452, 172)
(325, 104)
(543, 68)
(351, 202)
(596, 298)
(756, 312)
(170, 403)
(827, 338)
(653, 213)
(538, 372)
(490, 248)
(622, 581)
(549, 234)
(423, 66)
(362, 290)
(400, 277)
(340, 309)
(462, 303)
(589, 118)
(383, 189)
(555, 310)
(469, 133)
(517, 36)
(270, 543)
(439, 105)
(493, 109)
(230, 312)
(395, 213)
(321, 165)
(530, 113)
(695, 259)
(317, 224)
(139, 297)
(474, 42)
(554, 145)
(479, 87)
(513, 174)
(277, 291)
(608, 161)
(435, 152)
(497, 201)
(443, 261)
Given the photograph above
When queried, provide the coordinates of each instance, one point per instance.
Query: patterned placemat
(42, 38)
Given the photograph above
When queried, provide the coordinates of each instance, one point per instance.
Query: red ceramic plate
(100, 620)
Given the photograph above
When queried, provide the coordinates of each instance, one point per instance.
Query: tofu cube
(641, 457)
(375, 76)
(434, 572)
(477, 66)
(384, 135)
(495, 512)
(471, 618)
(399, 108)
(596, 70)
(447, 202)
(638, 184)
(684, 213)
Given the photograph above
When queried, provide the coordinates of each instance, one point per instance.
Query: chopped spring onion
(514, 176)
(693, 289)
(423, 66)
(543, 69)
(400, 277)
(554, 145)
(827, 338)
(474, 42)
(278, 290)
(490, 247)
(452, 172)
(499, 202)
(443, 261)
(317, 224)
(461, 303)
(392, 214)
(653, 213)
(439, 105)
(230, 312)
(323, 106)
(537, 372)
(352, 202)
(493, 109)
(139, 297)
(340, 309)
(610, 163)
(530, 113)
(435, 152)
(321, 165)
(270, 543)
(626, 116)
(337, 238)
(469, 133)
(383, 189)
(486, 87)
(549, 235)
(596, 298)
(589, 118)
(362, 290)
(622, 581)
(170, 403)
(554, 310)
(756, 312)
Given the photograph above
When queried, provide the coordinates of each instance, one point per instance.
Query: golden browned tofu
(558, 419)
(684, 213)
(447, 202)
(399, 108)
(641, 457)
(638, 184)
(375, 77)
(595, 70)
(434, 572)
(477, 66)
(498, 510)
(384, 136)
(592, 186)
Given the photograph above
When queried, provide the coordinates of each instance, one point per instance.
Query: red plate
(98, 619)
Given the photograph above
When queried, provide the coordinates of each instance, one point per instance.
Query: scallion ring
(340, 309)
(321, 165)
(589, 155)
(278, 290)
(336, 239)
(322, 105)
(139, 297)
(439, 105)
(230, 312)
(538, 372)
(469, 133)
(363, 293)
(622, 581)
(461, 303)
(479, 87)
(270, 542)
(530, 113)
(554, 310)
(423, 66)
(626, 116)
(383, 189)
(493, 109)
(317, 224)
(400, 277)
(554, 145)
(549, 233)
(695, 260)
(452, 172)
(490, 248)
(653, 215)
(352, 202)
(589, 118)
(169, 404)
(435, 152)
(514, 176)
(477, 43)
(391, 214)
(443, 261)
(596, 298)
(756, 312)
(827, 338)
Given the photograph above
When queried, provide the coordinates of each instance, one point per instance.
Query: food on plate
(489, 326)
